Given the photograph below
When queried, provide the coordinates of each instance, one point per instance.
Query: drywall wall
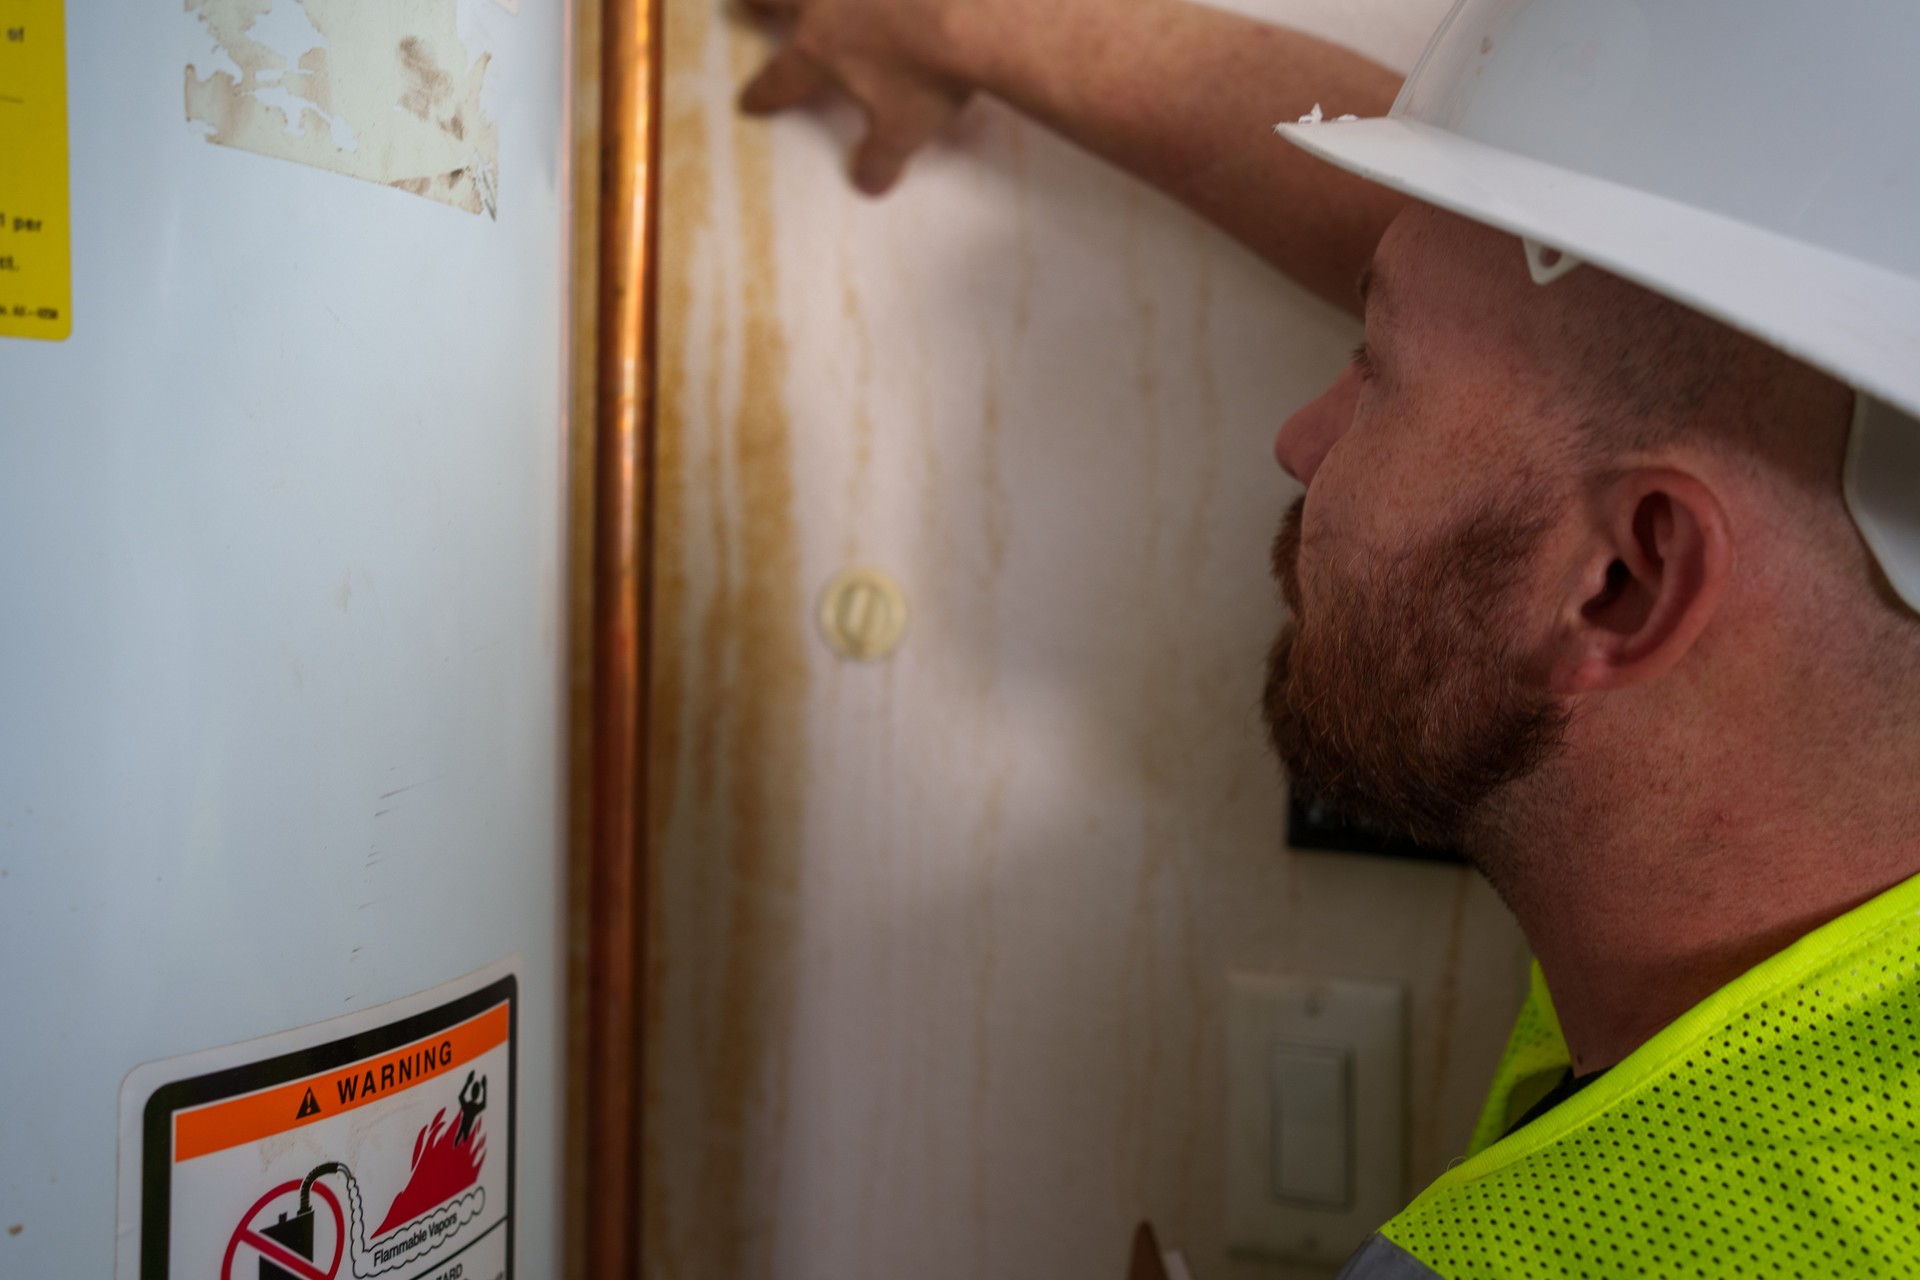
(940, 942)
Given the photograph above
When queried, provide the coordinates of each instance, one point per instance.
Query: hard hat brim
(1858, 322)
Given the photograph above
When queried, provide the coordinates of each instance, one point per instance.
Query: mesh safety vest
(1772, 1130)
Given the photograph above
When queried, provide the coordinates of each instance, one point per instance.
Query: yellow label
(36, 273)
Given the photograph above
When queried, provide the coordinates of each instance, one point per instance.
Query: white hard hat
(1756, 160)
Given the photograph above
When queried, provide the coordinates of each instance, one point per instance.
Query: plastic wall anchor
(863, 614)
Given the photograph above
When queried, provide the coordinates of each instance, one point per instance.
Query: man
(1606, 576)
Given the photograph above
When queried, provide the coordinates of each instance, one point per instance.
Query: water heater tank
(282, 288)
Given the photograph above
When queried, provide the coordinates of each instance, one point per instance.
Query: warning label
(36, 278)
(385, 1149)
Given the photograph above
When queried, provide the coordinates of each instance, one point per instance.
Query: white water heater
(282, 289)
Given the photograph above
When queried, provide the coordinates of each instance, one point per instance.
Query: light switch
(1311, 1101)
(1316, 1114)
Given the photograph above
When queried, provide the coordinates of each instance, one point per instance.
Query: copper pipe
(621, 636)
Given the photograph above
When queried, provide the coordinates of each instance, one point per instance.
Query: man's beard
(1403, 700)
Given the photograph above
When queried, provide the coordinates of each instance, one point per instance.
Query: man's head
(1539, 519)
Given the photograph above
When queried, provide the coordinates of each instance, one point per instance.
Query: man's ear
(1651, 570)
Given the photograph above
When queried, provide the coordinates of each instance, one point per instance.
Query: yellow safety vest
(1772, 1130)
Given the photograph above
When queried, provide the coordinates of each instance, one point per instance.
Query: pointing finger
(895, 131)
(789, 79)
(878, 163)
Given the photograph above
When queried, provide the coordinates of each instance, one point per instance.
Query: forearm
(1186, 97)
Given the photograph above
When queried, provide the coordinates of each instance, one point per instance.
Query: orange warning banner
(254, 1116)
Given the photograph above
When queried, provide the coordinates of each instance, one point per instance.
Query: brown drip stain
(685, 211)
(859, 476)
(988, 838)
(1023, 223)
(1208, 433)
(996, 509)
(1149, 1037)
(729, 689)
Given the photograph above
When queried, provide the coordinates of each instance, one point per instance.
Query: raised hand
(899, 59)
(1182, 95)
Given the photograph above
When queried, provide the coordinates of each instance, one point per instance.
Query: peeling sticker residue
(386, 92)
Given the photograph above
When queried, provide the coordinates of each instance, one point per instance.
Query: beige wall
(941, 943)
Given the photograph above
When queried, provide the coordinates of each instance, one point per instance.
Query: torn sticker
(385, 92)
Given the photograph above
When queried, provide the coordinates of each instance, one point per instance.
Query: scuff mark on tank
(386, 93)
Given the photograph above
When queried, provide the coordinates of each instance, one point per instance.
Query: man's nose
(1306, 437)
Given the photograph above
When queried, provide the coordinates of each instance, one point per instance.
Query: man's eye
(1363, 362)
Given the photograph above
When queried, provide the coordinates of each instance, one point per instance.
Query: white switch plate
(1367, 1022)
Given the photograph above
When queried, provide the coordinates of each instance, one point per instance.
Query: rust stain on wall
(1169, 971)
(860, 473)
(685, 211)
(996, 511)
(1210, 430)
(1023, 224)
(386, 93)
(767, 703)
(988, 838)
(730, 686)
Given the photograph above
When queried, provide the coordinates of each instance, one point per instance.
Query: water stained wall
(940, 942)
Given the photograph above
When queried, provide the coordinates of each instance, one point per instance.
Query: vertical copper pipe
(621, 629)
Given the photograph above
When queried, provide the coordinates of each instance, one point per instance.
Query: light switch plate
(1284, 1033)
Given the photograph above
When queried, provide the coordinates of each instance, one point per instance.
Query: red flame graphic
(444, 1165)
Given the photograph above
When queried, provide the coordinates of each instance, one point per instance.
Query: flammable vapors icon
(439, 1198)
